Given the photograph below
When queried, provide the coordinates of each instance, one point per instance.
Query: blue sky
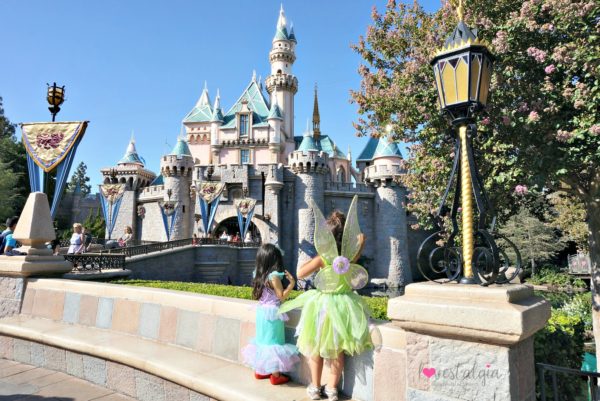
(141, 65)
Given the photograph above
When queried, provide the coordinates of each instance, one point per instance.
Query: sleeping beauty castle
(244, 169)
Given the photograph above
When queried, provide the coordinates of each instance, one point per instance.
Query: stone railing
(383, 171)
(346, 187)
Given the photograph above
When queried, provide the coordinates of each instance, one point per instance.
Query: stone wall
(11, 294)
(208, 263)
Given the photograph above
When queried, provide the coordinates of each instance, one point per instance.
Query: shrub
(378, 305)
(580, 306)
(560, 343)
(549, 275)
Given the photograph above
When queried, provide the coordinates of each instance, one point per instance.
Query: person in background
(224, 236)
(236, 238)
(248, 237)
(77, 242)
(195, 239)
(87, 236)
(7, 242)
(125, 240)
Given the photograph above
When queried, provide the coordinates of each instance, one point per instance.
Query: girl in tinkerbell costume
(268, 354)
(334, 318)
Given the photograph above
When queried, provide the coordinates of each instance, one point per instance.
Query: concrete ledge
(198, 372)
(33, 265)
(496, 315)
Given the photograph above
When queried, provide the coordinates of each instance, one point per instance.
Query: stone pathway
(21, 382)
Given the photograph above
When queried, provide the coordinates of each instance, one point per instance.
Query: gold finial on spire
(458, 5)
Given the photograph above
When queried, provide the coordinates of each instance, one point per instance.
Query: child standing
(268, 354)
(334, 318)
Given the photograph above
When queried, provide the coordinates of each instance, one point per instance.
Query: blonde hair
(128, 230)
(77, 225)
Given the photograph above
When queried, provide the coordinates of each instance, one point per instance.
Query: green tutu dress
(334, 317)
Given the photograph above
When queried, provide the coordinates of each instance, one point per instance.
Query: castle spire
(316, 117)
(281, 33)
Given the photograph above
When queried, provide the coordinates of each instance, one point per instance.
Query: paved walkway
(20, 382)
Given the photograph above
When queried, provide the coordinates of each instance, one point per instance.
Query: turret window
(243, 125)
(244, 156)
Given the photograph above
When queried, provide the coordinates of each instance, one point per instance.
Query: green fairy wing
(356, 277)
(324, 240)
(350, 242)
(327, 280)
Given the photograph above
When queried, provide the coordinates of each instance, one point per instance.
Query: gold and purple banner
(209, 191)
(49, 143)
(112, 192)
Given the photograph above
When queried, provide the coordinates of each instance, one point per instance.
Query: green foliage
(13, 162)
(568, 214)
(560, 343)
(378, 305)
(549, 275)
(581, 307)
(96, 225)
(535, 240)
(80, 178)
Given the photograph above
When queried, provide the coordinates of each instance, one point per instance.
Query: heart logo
(487, 365)
(428, 372)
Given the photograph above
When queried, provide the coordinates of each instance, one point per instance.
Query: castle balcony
(383, 172)
(245, 142)
(155, 191)
(349, 187)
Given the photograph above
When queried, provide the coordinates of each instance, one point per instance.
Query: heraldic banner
(245, 210)
(209, 196)
(51, 146)
(168, 210)
(111, 196)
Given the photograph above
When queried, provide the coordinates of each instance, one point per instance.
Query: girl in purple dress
(267, 353)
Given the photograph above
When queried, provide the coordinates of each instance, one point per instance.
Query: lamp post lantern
(462, 69)
(55, 97)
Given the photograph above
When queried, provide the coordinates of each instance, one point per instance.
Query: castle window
(243, 125)
(244, 156)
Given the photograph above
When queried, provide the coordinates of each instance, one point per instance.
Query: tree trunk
(593, 211)
(532, 267)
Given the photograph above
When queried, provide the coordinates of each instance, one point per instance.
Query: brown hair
(335, 223)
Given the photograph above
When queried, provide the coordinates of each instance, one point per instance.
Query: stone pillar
(392, 262)
(33, 231)
(469, 342)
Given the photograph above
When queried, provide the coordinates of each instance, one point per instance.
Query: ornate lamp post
(55, 97)
(463, 69)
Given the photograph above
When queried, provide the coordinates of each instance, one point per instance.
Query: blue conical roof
(217, 115)
(181, 148)
(386, 148)
(275, 112)
(131, 155)
(202, 112)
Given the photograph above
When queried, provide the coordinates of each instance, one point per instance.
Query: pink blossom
(523, 107)
(485, 121)
(550, 69)
(563, 136)
(595, 129)
(537, 54)
(533, 117)
(506, 120)
(500, 42)
(579, 104)
(521, 190)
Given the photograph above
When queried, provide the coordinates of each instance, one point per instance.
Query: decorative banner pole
(463, 70)
(111, 196)
(50, 147)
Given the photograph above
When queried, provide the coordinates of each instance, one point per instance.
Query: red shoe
(261, 377)
(275, 380)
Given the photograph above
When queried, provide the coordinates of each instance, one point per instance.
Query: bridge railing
(96, 261)
(130, 251)
(238, 244)
(572, 375)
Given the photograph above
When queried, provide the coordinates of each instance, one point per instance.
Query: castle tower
(275, 119)
(129, 171)
(215, 123)
(282, 83)
(392, 263)
(176, 169)
(310, 166)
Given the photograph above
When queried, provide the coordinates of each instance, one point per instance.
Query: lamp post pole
(467, 207)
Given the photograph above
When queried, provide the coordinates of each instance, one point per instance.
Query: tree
(13, 162)
(542, 125)
(96, 224)
(568, 215)
(80, 177)
(536, 240)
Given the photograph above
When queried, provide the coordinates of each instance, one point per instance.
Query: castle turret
(275, 119)
(310, 166)
(392, 263)
(215, 122)
(129, 171)
(282, 83)
(176, 169)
